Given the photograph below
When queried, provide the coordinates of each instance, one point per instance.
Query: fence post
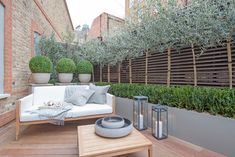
(146, 68)
(119, 73)
(108, 73)
(101, 78)
(230, 70)
(130, 71)
(168, 67)
(194, 66)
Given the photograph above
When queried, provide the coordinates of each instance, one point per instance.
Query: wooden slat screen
(233, 61)
(97, 73)
(157, 68)
(105, 74)
(211, 68)
(138, 70)
(182, 67)
(125, 71)
(114, 73)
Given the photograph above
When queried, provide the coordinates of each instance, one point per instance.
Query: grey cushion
(99, 97)
(80, 97)
(70, 90)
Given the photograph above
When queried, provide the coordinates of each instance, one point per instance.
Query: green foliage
(40, 64)
(216, 101)
(65, 65)
(84, 67)
(69, 36)
(204, 23)
(50, 48)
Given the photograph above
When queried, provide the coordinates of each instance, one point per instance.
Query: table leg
(150, 151)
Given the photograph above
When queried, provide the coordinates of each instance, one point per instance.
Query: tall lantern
(140, 112)
(159, 122)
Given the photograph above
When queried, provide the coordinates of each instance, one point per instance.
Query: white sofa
(45, 94)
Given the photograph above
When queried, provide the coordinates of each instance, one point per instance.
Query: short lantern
(140, 112)
(159, 122)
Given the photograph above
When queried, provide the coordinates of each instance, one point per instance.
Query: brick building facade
(104, 23)
(23, 21)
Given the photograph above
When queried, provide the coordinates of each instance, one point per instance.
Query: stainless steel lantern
(140, 112)
(159, 122)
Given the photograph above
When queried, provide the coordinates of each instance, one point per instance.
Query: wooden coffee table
(92, 145)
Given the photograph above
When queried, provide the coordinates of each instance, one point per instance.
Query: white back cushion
(55, 93)
(45, 94)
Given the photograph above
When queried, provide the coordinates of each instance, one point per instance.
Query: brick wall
(26, 17)
(58, 16)
(102, 24)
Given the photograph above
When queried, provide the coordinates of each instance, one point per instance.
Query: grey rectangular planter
(216, 133)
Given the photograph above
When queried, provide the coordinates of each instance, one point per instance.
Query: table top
(90, 144)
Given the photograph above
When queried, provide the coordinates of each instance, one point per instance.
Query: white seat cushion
(27, 116)
(88, 110)
(77, 111)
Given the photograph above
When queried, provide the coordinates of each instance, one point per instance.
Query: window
(1, 48)
(131, 3)
(37, 50)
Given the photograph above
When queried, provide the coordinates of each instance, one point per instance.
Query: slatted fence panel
(105, 74)
(125, 71)
(114, 73)
(212, 67)
(233, 61)
(97, 73)
(182, 67)
(138, 70)
(157, 68)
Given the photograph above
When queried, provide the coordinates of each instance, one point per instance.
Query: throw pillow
(99, 97)
(70, 90)
(80, 97)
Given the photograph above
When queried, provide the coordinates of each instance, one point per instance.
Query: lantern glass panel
(140, 112)
(163, 118)
(159, 122)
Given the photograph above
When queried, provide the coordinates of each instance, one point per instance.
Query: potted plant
(41, 67)
(84, 69)
(65, 68)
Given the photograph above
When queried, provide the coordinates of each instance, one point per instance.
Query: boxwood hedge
(216, 101)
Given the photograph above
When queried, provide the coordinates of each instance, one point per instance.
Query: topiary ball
(40, 64)
(65, 65)
(84, 67)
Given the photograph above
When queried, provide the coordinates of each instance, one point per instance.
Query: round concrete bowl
(113, 133)
(84, 78)
(65, 77)
(41, 78)
(113, 122)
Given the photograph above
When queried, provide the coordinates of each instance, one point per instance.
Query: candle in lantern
(141, 121)
(158, 129)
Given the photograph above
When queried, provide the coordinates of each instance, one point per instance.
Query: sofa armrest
(111, 101)
(25, 103)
